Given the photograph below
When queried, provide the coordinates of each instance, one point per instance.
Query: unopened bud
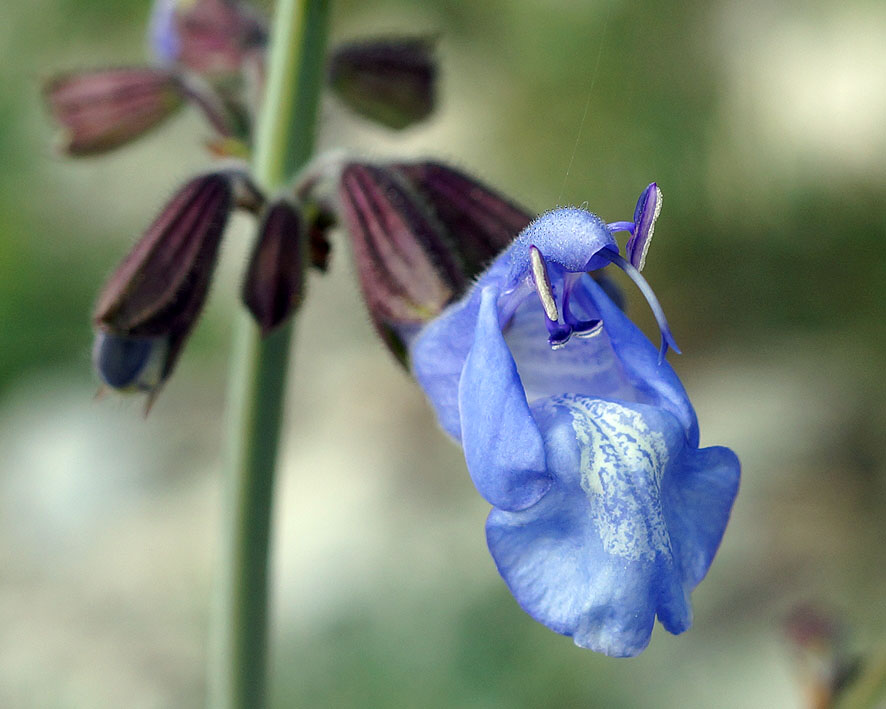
(209, 37)
(274, 284)
(390, 81)
(102, 110)
(152, 301)
(408, 268)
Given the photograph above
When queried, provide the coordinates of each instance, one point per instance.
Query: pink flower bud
(104, 109)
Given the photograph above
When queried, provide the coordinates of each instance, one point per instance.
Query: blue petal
(125, 361)
(438, 352)
(163, 33)
(584, 366)
(655, 381)
(503, 447)
(622, 534)
(698, 500)
(620, 363)
(437, 357)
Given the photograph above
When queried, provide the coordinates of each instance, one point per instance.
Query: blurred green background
(764, 123)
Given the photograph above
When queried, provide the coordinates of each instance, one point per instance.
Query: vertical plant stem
(284, 142)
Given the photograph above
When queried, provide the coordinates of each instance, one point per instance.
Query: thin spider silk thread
(584, 114)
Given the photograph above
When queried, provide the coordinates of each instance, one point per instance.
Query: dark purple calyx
(481, 221)
(274, 285)
(156, 294)
(391, 81)
(408, 268)
(103, 109)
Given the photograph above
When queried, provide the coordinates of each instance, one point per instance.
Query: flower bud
(104, 109)
(408, 268)
(209, 37)
(151, 302)
(274, 284)
(390, 81)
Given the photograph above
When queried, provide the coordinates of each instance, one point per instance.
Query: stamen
(580, 328)
(667, 339)
(543, 284)
(588, 329)
(558, 335)
(647, 211)
(620, 226)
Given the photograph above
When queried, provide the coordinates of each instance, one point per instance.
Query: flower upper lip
(571, 241)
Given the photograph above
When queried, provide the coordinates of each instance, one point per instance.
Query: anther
(543, 284)
(579, 328)
(558, 335)
(647, 211)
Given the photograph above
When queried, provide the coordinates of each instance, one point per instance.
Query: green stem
(284, 143)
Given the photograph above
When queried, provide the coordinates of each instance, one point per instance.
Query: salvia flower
(606, 512)
(152, 301)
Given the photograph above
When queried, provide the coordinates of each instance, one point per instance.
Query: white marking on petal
(621, 464)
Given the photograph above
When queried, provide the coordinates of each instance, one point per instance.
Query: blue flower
(163, 35)
(606, 512)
